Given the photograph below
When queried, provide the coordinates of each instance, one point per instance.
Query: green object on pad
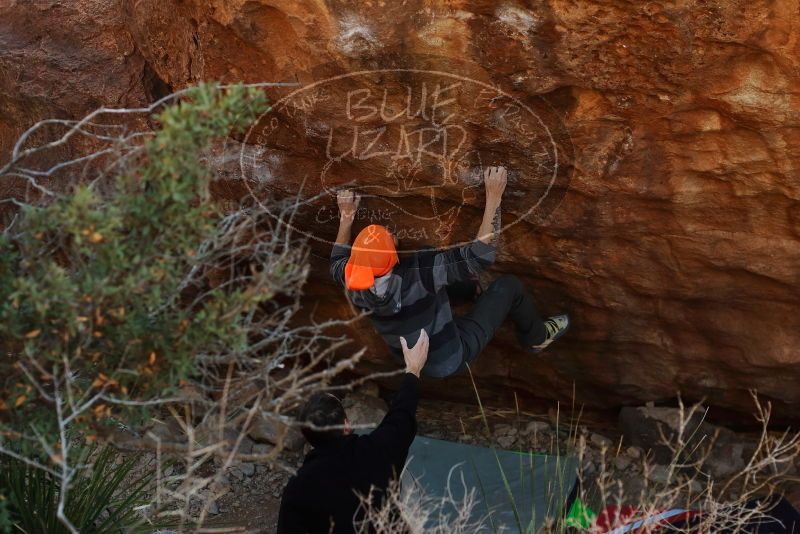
(580, 515)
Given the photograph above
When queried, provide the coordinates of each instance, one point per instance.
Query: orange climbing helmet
(373, 255)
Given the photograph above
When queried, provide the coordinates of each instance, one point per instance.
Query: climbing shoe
(556, 326)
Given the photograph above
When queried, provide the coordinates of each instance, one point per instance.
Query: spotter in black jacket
(323, 496)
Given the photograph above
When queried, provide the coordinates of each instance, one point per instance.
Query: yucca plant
(96, 501)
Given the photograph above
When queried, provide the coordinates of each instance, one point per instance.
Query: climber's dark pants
(504, 298)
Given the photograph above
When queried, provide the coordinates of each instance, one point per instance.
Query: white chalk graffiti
(415, 132)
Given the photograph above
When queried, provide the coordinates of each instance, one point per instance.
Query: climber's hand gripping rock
(494, 180)
(348, 202)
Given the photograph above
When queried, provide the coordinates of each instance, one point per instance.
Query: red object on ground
(616, 519)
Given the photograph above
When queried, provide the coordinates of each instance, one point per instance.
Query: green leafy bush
(95, 316)
(134, 309)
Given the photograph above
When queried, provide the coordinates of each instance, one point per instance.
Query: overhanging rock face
(654, 151)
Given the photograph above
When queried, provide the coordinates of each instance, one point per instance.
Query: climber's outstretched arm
(465, 263)
(348, 206)
(494, 180)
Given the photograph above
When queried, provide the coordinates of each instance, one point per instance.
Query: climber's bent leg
(505, 297)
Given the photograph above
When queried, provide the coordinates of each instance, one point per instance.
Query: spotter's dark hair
(321, 410)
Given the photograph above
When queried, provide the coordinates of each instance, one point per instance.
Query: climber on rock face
(409, 294)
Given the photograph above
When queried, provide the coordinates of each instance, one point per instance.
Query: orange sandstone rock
(671, 233)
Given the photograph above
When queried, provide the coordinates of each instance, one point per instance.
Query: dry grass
(683, 483)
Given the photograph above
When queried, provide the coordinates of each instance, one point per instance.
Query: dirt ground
(252, 505)
(254, 502)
